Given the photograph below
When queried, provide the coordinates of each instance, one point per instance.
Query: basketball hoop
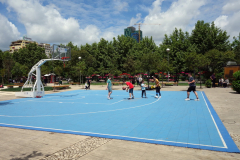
(64, 58)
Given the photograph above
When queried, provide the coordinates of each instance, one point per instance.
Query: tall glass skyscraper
(131, 32)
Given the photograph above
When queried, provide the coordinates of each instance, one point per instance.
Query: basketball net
(64, 58)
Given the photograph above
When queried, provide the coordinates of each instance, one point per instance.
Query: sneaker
(132, 97)
(159, 96)
(156, 96)
(108, 98)
(187, 99)
(197, 99)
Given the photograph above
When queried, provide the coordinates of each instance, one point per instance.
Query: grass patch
(98, 83)
(186, 84)
(24, 89)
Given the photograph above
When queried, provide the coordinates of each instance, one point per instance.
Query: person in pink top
(130, 87)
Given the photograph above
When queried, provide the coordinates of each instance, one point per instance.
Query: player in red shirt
(130, 87)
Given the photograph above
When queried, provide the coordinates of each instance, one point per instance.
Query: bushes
(208, 83)
(183, 78)
(236, 82)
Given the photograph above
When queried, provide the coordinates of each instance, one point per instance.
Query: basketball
(123, 88)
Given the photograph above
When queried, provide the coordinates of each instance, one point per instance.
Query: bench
(229, 84)
(62, 86)
(11, 86)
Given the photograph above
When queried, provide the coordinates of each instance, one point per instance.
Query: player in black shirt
(192, 87)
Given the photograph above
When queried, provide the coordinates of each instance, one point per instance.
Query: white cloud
(221, 21)
(120, 6)
(230, 7)
(8, 33)
(135, 20)
(179, 15)
(45, 24)
(230, 22)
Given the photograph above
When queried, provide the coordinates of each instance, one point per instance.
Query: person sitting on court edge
(192, 87)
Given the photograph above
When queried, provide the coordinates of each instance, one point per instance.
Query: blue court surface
(169, 120)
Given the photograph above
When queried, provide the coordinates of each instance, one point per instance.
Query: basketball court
(169, 121)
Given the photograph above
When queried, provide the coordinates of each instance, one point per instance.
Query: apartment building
(47, 48)
(16, 45)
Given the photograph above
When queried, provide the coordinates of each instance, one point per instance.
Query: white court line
(109, 135)
(69, 102)
(225, 146)
(86, 112)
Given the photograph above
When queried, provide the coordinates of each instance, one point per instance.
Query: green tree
(218, 59)
(45, 69)
(149, 61)
(58, 70)
(30, 55)
(17, 70)
(236, 48)
(207, 36)
(25, 70)
(179, 44)
(8, 63)
(73, 48)
(163, 67)
(80, 70)
(3, 73)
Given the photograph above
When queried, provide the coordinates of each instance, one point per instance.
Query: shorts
(131, 90)
(191, 88)
(110, 89)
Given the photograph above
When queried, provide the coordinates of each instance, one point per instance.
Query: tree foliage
(207, 36)
(206, 48)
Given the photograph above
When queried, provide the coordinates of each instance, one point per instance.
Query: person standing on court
(213, 78)
(140, 80)
(130, 87)
(157, 88)
(88, 81)
(143, 87)
(137, 80)
(109, 87)
(192, 87)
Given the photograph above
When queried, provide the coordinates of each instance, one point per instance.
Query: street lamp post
(80, 73)
(168, 62)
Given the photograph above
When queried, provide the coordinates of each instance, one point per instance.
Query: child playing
(86, 85)
(143, 89)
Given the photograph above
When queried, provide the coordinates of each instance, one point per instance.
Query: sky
(87, 21)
